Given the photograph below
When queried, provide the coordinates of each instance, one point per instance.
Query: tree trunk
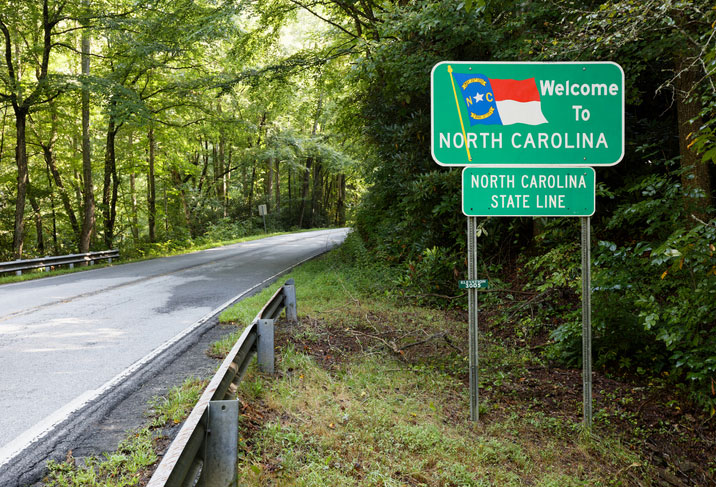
(166, 206)
(54, 214)
(221, 184)
(227, 180)
(151, 189)
(179, 184)
(304, 191)
(51, 163)
(89, 205)
(315, 194)
(695, 178)
(38, 220)
(278, 187)
(133, 190)
(328, 189)
(2, 135)
(109, 190)
(216, 170)
(251, 190)
(253, 169)
(268, 183)
(341, 210)
(222, 172)
(22, 179)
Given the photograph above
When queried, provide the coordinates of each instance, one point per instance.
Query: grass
(128, 465)
(176, 405)
(119, 469)
(372, 393)
(163, 252)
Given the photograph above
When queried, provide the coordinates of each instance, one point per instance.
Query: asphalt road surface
(63, 338)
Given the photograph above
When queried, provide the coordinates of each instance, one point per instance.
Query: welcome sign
(527, 114)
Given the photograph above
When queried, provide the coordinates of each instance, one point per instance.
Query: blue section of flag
(478, 97)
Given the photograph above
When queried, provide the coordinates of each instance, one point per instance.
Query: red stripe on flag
(517, 90)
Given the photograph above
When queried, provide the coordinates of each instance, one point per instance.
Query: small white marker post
(262, 212)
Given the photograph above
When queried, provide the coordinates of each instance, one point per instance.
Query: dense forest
(152, 124)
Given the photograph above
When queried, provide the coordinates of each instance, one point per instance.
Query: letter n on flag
(500, 101)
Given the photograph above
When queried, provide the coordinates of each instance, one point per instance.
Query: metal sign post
(586, 323)
(472, 311)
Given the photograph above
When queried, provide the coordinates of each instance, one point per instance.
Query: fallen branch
(433, 295)
(435, 336)
(706, 224)
(530, 302)
(420, 342)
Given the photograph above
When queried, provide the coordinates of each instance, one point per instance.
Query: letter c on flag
(488, 97)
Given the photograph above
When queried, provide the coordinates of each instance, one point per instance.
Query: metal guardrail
(205, 451)
(17, 266)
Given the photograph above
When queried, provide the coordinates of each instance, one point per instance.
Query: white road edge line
(43, 428)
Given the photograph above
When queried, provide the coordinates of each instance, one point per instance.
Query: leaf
(664, 274)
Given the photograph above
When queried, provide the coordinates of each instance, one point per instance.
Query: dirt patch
(332, 342)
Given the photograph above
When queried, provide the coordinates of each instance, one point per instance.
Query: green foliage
(173, 407)
(118, 469)
(431, 276)
(228, 229)
(665, 299)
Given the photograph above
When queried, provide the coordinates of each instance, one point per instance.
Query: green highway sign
(474, 284)
(527, 114)
(534, 191)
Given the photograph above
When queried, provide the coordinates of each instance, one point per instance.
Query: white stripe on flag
(529, 112)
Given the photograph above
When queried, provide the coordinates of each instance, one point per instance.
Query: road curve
(64, 337)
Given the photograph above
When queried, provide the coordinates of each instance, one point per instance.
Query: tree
(23, 87)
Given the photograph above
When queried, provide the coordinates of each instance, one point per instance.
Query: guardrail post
(222, 445)
(264, 347)
(289, 293)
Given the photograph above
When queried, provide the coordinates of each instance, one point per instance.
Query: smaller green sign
(539, 191)
(474, 284)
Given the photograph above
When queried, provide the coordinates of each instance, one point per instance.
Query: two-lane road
(63, 338)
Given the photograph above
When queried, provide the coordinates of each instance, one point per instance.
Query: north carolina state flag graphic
(500, 101)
